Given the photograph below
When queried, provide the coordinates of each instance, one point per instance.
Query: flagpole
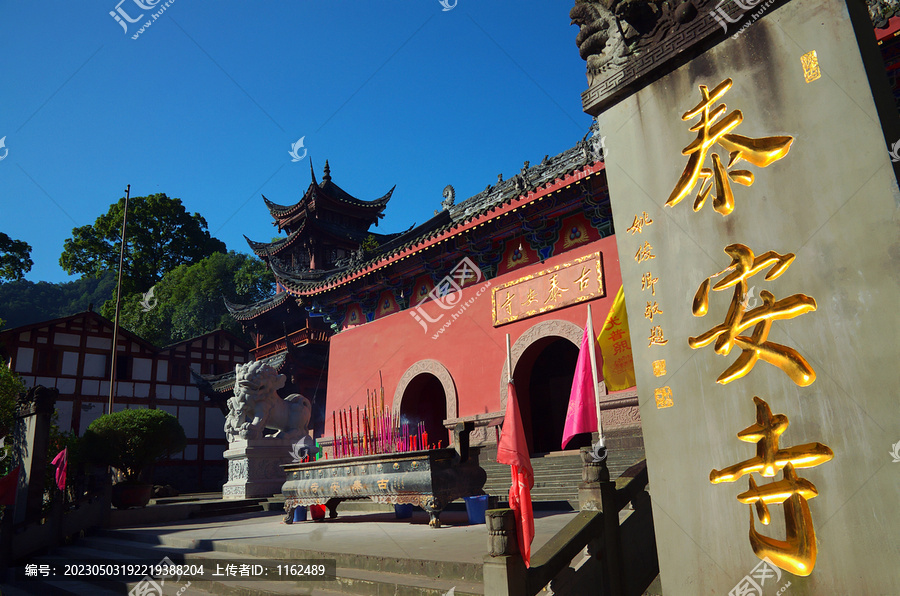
(115, 338)
(509, 362)
(592, 339)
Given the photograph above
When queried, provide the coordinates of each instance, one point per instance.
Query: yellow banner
(615, 345)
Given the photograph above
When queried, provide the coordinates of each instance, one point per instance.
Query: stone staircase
(556, 475)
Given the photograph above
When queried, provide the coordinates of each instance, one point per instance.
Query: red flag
(61, 463)
(9, 484)
(513, 451)
(582, 414)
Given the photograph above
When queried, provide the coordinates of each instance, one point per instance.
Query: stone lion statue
(256, 405)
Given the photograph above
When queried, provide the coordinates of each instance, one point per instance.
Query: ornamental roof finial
(326, 175)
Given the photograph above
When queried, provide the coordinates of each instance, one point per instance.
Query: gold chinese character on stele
(648, 281)
(643, 253)
(663, 396)
(638, 224)
(760, 152)
(652, 309)
(745, 265)
(657, 337)
(797, 554)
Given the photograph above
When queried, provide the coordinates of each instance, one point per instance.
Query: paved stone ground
(360, 533)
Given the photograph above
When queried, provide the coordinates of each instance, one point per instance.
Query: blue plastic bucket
(475, 507)
(299, 514)
(403, 511)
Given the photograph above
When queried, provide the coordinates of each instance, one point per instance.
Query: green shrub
(131, 440)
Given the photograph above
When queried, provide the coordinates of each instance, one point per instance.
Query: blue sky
(205, 104)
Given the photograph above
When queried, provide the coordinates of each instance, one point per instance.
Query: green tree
(187, 301)
(160, 236)
(15, 258)
(24, 302)
(10, 388)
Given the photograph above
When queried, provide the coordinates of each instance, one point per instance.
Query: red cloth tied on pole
(61, 463)
(9, 484)
(513, 451)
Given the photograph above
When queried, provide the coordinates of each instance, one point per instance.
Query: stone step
(226, 549)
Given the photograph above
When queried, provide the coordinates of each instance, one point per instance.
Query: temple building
(421, 317)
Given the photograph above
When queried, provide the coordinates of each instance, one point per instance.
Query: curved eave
(445, 233)
(267, 249)
(281, 211)
(247, 312)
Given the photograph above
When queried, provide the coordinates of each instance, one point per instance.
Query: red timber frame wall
(72, 354)
(465, 355)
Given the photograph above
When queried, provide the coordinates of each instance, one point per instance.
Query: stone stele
(832, 201)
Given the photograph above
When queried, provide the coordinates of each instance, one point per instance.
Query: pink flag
(61, 463)
(513, 451)
(582, 414)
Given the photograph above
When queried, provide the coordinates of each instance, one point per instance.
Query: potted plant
(130, 441)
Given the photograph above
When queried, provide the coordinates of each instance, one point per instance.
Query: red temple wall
(470, 347)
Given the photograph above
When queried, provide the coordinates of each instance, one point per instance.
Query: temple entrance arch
(543, 364)
(426, 393)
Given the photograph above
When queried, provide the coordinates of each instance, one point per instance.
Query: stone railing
(597, 527)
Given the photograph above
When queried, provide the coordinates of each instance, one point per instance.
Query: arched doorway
(424, 402)
(543, 362)
(426, 393)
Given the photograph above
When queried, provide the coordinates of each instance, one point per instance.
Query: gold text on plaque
(507, 304)
(755, 347)
(659, 368)
(556, 290)
(530, 297)
(797, 553)
(584, 279)
(758, 151)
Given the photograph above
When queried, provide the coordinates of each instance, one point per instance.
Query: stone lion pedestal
(254, 467)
